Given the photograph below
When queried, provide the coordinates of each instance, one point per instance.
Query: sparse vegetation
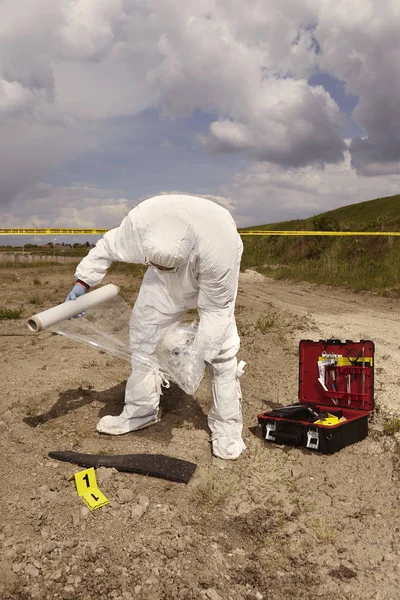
(210, 491)
(323, 531)
(266, 322)
(35, 300)
(129, 269)
(32, 265)
(10, 313)
(392, 426)
(275, 320)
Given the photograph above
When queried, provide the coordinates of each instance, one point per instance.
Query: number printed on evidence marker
(85, 481)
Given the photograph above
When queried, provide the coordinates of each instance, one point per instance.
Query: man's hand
(77, 290)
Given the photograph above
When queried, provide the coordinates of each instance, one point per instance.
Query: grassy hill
(360, 263)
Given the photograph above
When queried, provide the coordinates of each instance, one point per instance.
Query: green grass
(382, 214)
(9, 313)
(391, 427)
(359, 263)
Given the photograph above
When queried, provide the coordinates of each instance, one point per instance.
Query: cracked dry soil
(278, 523)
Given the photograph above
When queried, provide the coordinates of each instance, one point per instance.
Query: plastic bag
(180, 358)
(106, 328)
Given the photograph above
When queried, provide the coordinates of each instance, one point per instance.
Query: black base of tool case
(335, 377)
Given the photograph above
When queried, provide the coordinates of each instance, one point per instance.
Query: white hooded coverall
(199, 240)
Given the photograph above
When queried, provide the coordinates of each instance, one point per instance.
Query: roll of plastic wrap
(66, 310)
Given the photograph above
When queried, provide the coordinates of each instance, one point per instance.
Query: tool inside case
(336, 373)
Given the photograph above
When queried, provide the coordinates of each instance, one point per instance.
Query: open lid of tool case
(335, 373)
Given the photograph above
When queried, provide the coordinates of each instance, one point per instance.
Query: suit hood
(168, 242)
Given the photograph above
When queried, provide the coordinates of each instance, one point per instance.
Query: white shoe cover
(119, 425)
(227, 447)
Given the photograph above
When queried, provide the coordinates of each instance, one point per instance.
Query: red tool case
(335, 377)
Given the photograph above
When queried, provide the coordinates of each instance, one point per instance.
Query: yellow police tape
(86, 487)
(102, 231)
(356, 233)
(52, 231)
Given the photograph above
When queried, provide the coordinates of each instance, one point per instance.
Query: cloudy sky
(279, 110)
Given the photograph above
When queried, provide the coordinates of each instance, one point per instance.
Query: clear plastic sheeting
(106, 327)
(178, 356)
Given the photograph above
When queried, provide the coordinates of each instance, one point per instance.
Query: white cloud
(67, 207)
(14, 97)
(69, 69)
(294, 125)
(88, 27)
(361, 46)
(260, 194)
(269, 193)
(210, 64)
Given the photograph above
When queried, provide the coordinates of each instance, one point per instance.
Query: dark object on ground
(155, 465)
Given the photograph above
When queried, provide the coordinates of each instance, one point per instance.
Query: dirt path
(278, 523)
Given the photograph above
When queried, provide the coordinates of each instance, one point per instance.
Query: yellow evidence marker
(86, 486)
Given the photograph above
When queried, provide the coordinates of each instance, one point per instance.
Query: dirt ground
(278, 523)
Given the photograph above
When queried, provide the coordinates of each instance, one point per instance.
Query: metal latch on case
(312, 439)
(270, 428)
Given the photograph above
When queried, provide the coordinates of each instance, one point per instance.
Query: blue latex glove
(77, 290)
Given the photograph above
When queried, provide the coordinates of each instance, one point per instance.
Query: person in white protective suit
(193, 251)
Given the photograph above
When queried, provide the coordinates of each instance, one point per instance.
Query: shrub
(324, 223)
(9, 313)
(391, 427)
